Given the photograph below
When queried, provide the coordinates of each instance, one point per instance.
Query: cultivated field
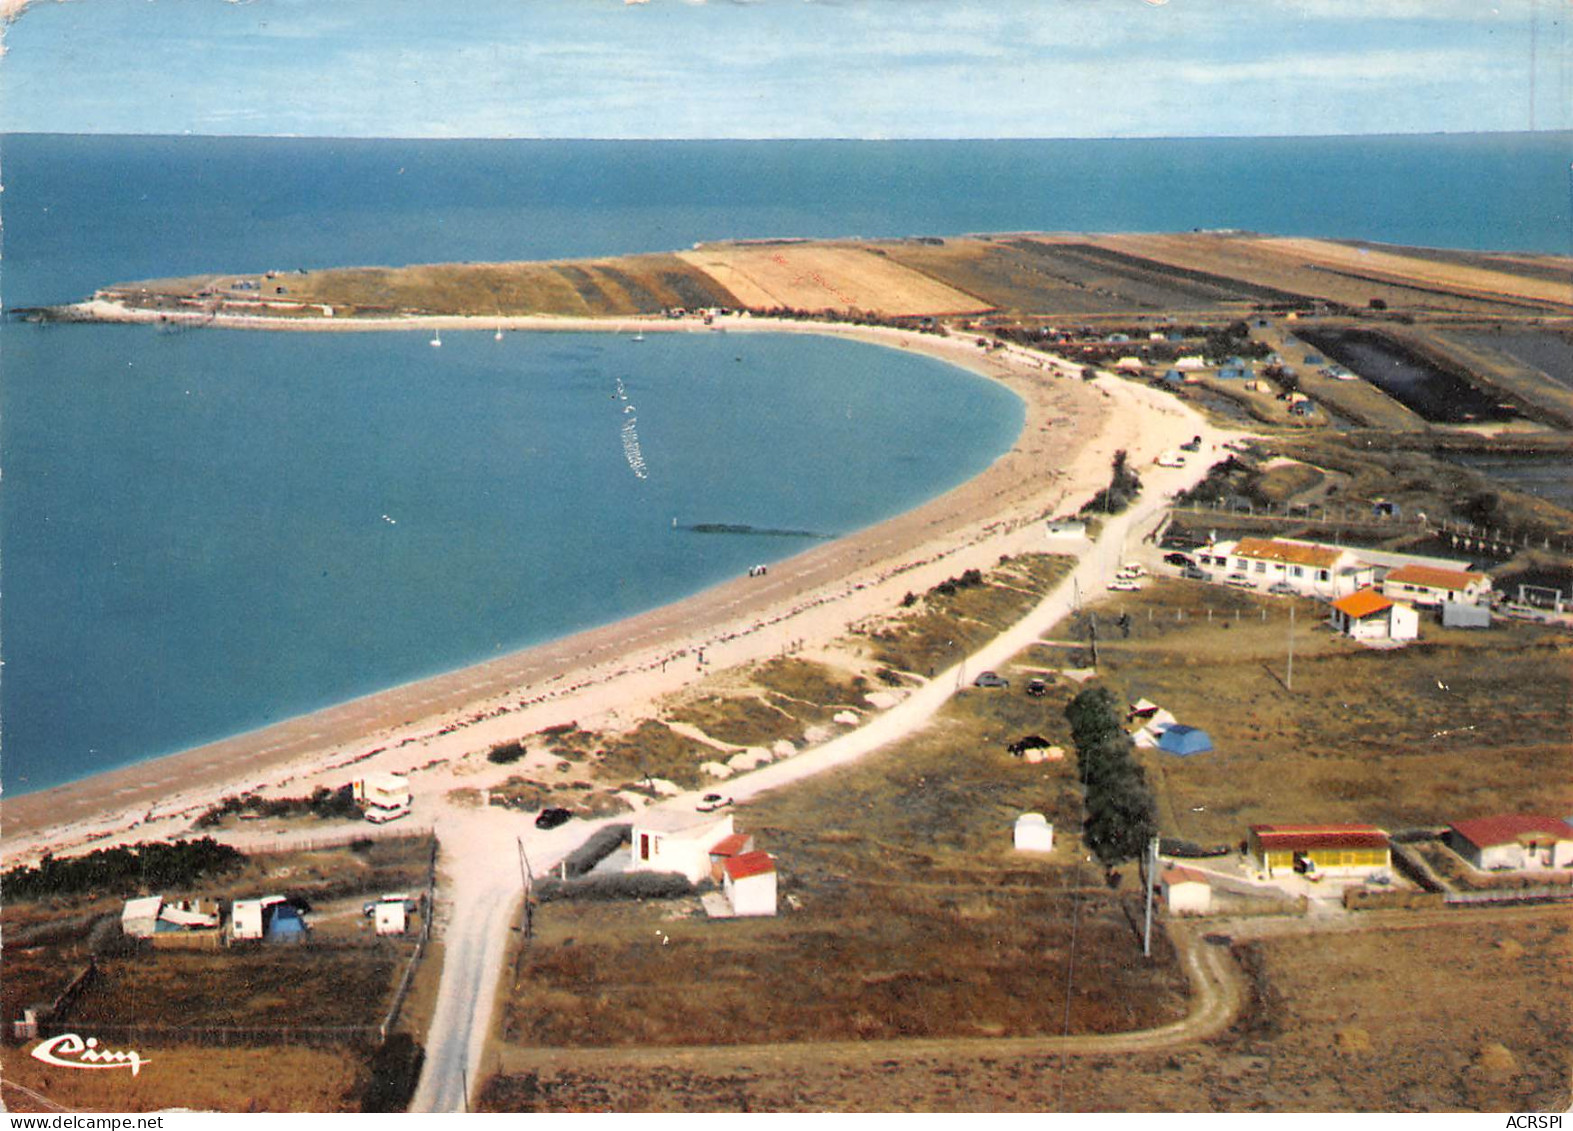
(821, 277)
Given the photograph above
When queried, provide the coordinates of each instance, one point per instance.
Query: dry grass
(823, 277)
(263, 986)
(1458, 725)
(940, 629)
(652, 749)
(198, 1079)
(1368, 1022)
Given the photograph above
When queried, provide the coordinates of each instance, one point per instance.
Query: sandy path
(1064, 446)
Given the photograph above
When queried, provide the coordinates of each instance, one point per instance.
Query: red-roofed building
(1429, 585)
(1516, 842)
(1337, 850)
(1367, 615)
(1308, 568)
(726, 848)
(749, 882)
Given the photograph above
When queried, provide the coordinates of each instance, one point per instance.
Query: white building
(1185, 891)
(1367, 615)
(673, 841)
(390, 917)
(1034, 833)
(1311, 569)
(1429, 586)
(1517, 842)
(750, 883)
(139, 919)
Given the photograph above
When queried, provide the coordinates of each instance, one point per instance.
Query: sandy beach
(609, 676)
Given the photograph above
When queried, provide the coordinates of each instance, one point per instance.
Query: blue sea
(205, 532)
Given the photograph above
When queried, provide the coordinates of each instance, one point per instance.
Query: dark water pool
(1439, 396)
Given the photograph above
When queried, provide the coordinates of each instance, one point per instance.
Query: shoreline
(603, 672)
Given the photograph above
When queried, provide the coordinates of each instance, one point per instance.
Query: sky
(784, 68)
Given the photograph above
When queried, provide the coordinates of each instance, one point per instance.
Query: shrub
(625, 885)
(123, 871)
(600, 845)
(506, 753)
(395, 1071)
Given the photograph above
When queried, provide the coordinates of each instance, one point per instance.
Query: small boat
(498, 335)
(436, 337)
(638, 337)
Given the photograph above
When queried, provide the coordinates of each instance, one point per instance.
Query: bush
(395, 1071)
(625, 885)
(124, 871)
(324, 804)
(506, 753)
(601, 845)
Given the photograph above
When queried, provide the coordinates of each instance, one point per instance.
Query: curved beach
(1070, 431)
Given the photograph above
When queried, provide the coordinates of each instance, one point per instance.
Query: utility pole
(1151, 872)
(1092, 627)
(1289, 675)
(526, 879)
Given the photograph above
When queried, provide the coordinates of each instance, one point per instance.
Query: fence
(1548, 893)
(408, 976)
(1463, 536)
(342, 840)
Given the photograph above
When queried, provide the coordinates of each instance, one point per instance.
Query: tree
(1121, 814)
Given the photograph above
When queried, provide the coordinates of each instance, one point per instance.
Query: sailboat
(498, 335)
(436, 337)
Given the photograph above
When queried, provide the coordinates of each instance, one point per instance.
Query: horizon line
(743, 138)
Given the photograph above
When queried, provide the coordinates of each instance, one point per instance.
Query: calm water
(206, 532)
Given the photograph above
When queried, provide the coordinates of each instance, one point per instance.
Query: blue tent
(1184, 741)
(284, 922)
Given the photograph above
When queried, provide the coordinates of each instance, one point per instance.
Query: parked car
(1282, 588)
(710, 802)
(551, 818)
(1178, 559)
(382, 814)
(991, 679)
(1240, 581)
(1191, 573)
(1133, 569)
(1037, 688)
(1125, 585)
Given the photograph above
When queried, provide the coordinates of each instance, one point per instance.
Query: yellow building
(1320, 849)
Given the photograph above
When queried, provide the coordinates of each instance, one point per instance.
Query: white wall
(752, 895)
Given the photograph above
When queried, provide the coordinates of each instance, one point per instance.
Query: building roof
(145, 907)
(750, 864)
(1488, 832)
(1434, 578)
(733, 845)
(1177, 875)
(678, 821)
(1365, 603)
(1304, 837)
(1294, 553)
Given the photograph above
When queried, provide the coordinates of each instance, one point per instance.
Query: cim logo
(70, 1051)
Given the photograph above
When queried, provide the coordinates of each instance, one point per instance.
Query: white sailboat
(498, 335)
(436, 337)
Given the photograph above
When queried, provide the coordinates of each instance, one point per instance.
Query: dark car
(1177, 559)
(1191, 573)
(551, 818)
(1037, 688)
(991, 679)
